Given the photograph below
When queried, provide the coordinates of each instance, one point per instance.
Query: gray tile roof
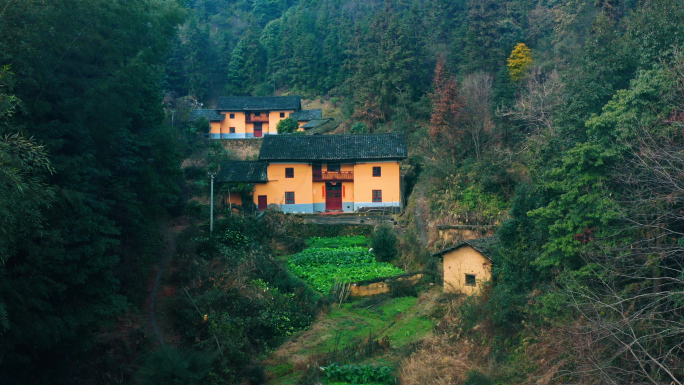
(258, 103)
(211, 115)
(305, 115)
(245, 172)
(486, 246)
(333, 147)
(315, 123)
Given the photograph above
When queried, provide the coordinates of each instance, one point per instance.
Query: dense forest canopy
(88, 170)
(558, 121)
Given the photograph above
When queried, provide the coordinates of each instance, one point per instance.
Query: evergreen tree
(384, 64)
(248, 63)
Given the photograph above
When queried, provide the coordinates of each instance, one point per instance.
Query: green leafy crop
(334, 242)
(321, 267)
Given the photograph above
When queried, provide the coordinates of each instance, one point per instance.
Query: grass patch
(394, 318)
(403, 320)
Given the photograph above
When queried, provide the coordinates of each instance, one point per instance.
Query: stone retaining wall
(381, 285)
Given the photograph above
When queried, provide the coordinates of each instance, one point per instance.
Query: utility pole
(173, 113)
(211, 212)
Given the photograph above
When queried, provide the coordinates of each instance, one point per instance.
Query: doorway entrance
(333, 196)
(262, 202)
(258, 133)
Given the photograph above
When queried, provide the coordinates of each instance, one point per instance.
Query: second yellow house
(241, 117)
(323, 173)
(467, 265)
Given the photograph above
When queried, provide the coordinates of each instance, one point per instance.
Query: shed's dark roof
(333, 147)
(211, 115)
(258, 103)
(303, 115)
(315, 123)
(484, 245)
(245, 172)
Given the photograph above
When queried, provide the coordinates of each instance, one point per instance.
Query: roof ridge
(334, 147)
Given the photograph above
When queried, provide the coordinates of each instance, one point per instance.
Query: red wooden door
(262, 202)
(258, 133)
(333, 196)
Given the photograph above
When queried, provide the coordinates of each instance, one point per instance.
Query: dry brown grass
(243, 149)
(195, 161)
(329, 110)
(438, 361)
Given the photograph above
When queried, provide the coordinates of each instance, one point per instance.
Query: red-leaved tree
(446, 108)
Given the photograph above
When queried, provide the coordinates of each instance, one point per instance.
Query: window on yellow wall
(257, 114)
(289, 172)
(232, 116)
(470, 280)
(377, 171)
(289, 198)
(334, 167)
(282, 114)
(232, 130)
(377, 195)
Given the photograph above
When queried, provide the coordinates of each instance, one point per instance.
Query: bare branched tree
(634, 303)
(477, 111)
(632, 300)
(535, 106)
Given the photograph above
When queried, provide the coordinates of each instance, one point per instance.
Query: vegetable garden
(321, 267)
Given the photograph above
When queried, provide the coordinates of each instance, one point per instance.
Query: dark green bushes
(384, 243)
(169, 365)
(360, 374)
(477, 378)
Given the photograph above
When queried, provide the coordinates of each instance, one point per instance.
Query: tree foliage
(87, 179)
(287, 126)
(384, 243)
(447, 108)
(519, 62)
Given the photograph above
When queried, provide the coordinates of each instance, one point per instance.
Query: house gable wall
(465, 260)
(388, 183)
(277, 185)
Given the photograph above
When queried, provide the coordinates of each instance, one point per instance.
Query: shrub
(477, 378)
(358, 128)
(287, 126)
(402, 288)
(194, 173)
(384, 243)
(169, 365)
(360, 374)
(200, 125)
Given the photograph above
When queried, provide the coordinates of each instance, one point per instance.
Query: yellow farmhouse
(240, 117)
(322, 173)
(467, 265)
